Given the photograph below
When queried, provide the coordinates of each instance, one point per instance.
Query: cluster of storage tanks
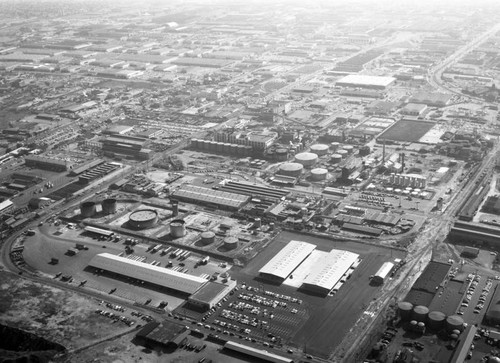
(208, 237)
(407, 181)
(89, 209)
(221, 147)
(420, 318)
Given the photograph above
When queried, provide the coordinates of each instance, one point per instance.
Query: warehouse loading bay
(294, 318)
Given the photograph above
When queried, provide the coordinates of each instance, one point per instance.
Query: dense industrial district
(228, 182)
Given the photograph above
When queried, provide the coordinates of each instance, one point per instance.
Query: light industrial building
(156, 275)
(210, 294)
(262, 355)
(329, 270)
(382, 273)
(287, 260)
(355, 80)
(196, 194)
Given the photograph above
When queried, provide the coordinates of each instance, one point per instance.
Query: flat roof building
(156, 275)
(329, 270)
(263, 355)
(211, 293)
(196, 194)
(355, 80)
(287, 260)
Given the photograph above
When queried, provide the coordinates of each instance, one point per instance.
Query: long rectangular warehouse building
(257, 353)
(329, 270)
(196, 194)
(156, 275)
(287, 260)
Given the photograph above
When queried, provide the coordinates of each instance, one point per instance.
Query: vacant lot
(407, 131)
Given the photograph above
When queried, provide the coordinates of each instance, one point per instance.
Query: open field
(407, 131)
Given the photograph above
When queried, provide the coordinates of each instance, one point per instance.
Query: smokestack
(175, 208)
(402, 162)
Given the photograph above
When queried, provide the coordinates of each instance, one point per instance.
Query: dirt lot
(406, 130)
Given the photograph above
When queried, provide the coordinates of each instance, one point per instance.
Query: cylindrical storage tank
(109, 206)
(175, 208)
(291, 169)
(320, 149)
(456, 331)
(343, 153)
(454, 322)
(405, 308)
(420, 313)
(257, 222)
(178, 228)
(230, 243)
(271, 226)
(413, 325)
(336, 158)
(319, 174)
(348, 148)
(281, 154)
(306, 159)
(436, 320)
(334, 146)
(143, 218)
(88, 209)
(364, 151)
(207, 238)
(421, 325)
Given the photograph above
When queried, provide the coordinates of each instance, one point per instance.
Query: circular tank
(306, 159)
(178, 228)
(336, 158)
(405, 309)
(257, 223)
(320, 149)
(87, 209)
(436, 320)
(413, 325)
(230, 243)
(109, 206)
(143, 218)
(281, 154)
(334, 146)
(343, 153)
(364, 151)
(348, 148)
(319, 174)
(454, 322)
(456, 331)
(454, 336)
(493, 359)
(291, 169)
(420, 313)
(207, 238)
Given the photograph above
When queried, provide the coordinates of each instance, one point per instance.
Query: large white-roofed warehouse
(160, 276)
(357, 80)
(286, 260)
(200, 195)
(329, 270)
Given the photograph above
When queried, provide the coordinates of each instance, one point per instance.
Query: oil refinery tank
(319, 174)
(454, 322)
(281, 154)
(178, 228)
(109, 206)
(405, 308)
(306, 159)
(436, 320)
(348, 148)
(336, 158)
(343, 153)
(257, 222)
(334, 146)
(143, 218)
(230, 243)
(320, 149)
(207, 238)
(364, 151)
(291, 169)
(87, 209)
(420, 313)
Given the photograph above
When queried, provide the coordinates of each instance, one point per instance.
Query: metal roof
(287, 260)
(330, 268)
(143, 271)
(206, 195)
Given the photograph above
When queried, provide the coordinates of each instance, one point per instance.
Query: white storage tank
(291, 169)
(334, 146)
(319, 174)
(306, 159)
(348, 148)
(336, 158)
(343, 153)
(320, 149)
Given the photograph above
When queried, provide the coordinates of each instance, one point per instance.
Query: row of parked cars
(115, 317)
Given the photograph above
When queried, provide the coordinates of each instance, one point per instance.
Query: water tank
(320, 149)
(420, 313)
(109, 206)
(207, 238)
(405, 309)
(336, 158)
(230, 243)
(291, 169)
(343, 153)
(143, 218)
(319, 174)
(436, 320)
(454, 322)
(178, 228)
(87, 209)
(306, 159)
(348, 148)
(281, 154)
(334, 146)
